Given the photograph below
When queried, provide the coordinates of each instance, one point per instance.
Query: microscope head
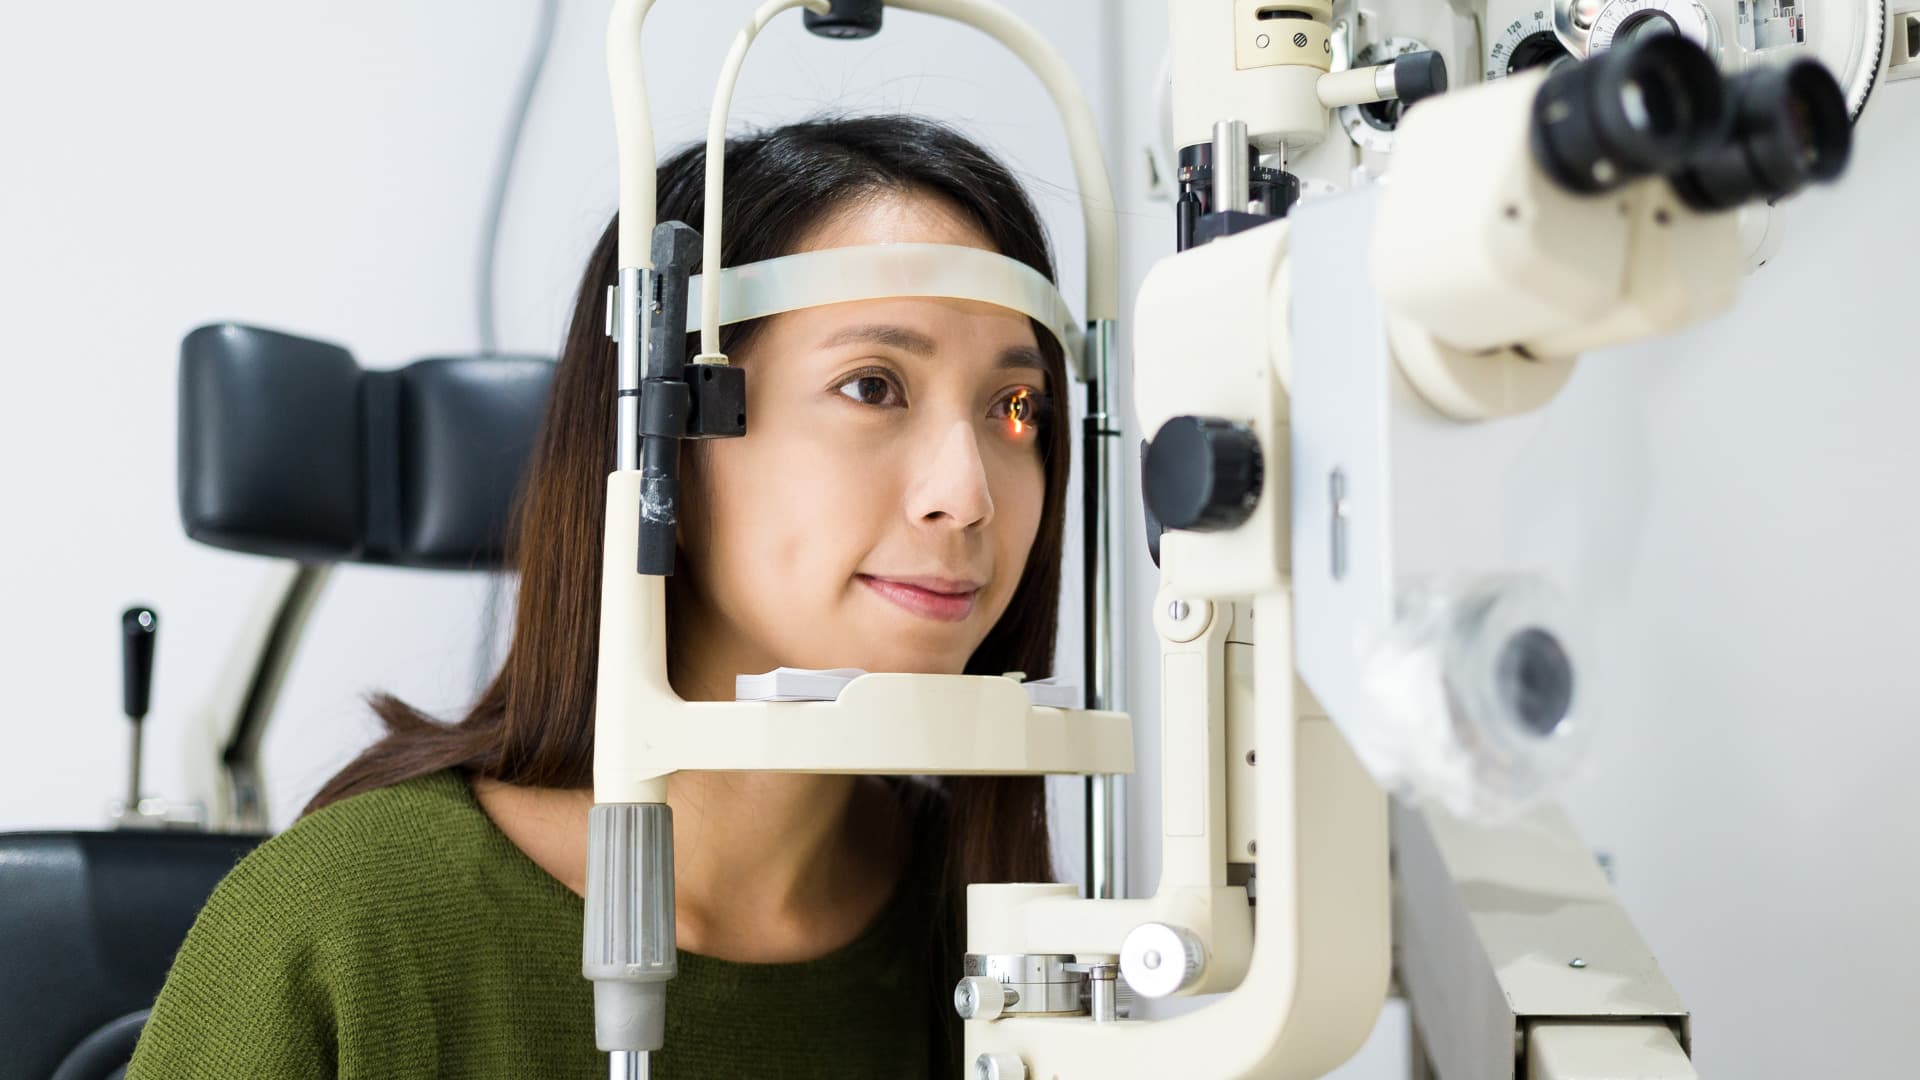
(1554, 213)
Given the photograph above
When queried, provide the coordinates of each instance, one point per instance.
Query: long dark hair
(533, 725)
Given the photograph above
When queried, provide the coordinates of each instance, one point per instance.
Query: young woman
(896, 506)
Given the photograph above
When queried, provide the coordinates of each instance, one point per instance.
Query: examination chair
(289, 449)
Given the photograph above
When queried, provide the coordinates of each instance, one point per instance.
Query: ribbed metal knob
(1159, 960)
(628, 945)
(981, 997)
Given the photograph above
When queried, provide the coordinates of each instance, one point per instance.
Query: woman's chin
(899, 660)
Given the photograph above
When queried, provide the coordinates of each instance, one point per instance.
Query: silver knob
(999, 1066)
(982, 997)
(1159, 960)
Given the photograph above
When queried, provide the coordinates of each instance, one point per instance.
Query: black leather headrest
(89, 924)
(288, 448)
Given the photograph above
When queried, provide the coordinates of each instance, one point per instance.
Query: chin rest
(289, 448)
(89, 923)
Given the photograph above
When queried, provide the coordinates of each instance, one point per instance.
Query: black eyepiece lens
(1535, 679)
(1815, 125)
(1639, 108)
(1790, 129)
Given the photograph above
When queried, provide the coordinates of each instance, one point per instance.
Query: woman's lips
(928, 603)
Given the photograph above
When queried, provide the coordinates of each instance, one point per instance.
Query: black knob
(1419, 75)
(138, 627)
(847, 20)
(1202, 474)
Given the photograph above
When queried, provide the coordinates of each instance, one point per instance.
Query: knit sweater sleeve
(251, 992)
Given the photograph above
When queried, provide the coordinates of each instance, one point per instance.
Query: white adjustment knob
(982, 997)
(1159, 960)
(999, 1066)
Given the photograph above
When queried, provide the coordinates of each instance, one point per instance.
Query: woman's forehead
(909, 324)
(895, 217)
(996, 336)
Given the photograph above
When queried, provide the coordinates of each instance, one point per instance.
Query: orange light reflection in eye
(1017, 411)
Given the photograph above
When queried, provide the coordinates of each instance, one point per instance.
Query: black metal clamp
(678, 401)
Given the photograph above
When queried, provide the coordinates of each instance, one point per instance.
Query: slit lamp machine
(1323, 351)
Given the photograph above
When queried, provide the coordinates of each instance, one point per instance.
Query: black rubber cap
(138, 628)
(1202, 474)
(849, 20)
(1633, 110)
(1419, 75)
(1790, 128)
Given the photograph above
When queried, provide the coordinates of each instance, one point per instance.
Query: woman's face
(879, 511)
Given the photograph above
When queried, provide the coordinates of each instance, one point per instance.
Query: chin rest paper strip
(882, 271)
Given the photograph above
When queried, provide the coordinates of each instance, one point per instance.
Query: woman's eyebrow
(1022, 356)
(898, 337)
(913, 341)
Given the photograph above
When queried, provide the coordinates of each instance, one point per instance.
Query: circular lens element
(1535, 677)
(1644, 107)
(1790, 129)
(1473, 699)
(1642, 25)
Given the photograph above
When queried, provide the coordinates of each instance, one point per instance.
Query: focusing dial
(1203, 474)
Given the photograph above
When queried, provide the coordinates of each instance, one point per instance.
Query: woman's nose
(951, 486)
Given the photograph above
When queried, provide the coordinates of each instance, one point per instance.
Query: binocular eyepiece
(1790, 129)
(1658, 105)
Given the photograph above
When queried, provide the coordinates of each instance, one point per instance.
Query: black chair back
(89, 924)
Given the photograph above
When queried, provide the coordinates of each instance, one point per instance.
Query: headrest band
(879, 271)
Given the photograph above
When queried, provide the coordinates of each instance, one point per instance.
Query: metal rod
(1104, 1004)
(133, 774)
(633, 325)
(1232, 176)
(627, 1065)
(246, 809)
(1100, 460)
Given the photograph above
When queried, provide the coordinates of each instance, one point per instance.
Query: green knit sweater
(398, 933)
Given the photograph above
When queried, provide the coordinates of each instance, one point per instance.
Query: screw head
(1178, 610)
(1576, 962)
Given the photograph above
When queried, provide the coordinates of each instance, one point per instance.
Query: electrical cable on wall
(503, 173)
(487, 316)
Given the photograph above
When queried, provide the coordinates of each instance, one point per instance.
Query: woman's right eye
(872, 388)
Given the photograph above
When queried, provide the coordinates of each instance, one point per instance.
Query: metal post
(1100, 502)
(1232, 174)
(133, 774)
(630, 323)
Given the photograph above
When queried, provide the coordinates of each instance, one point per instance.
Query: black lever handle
(138, 628)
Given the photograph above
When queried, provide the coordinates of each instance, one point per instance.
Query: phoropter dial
(1623, 21)
(1524, 43)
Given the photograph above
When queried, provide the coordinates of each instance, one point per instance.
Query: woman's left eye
(1024, 410)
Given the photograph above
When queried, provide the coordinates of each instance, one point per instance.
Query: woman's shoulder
(349, 934)
(375, 842)
(372, 873)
